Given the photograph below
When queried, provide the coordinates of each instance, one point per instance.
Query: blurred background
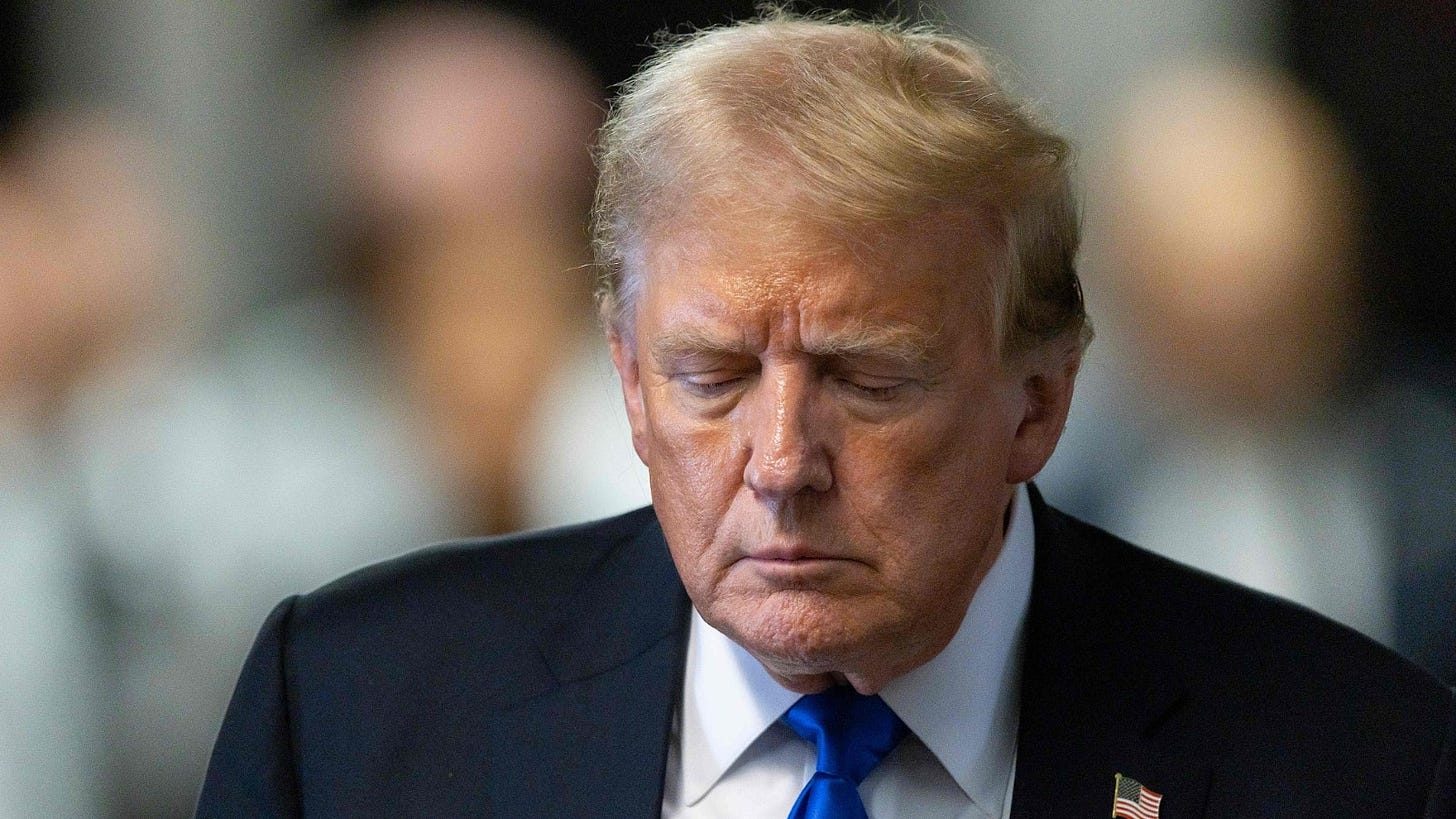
(293, 285)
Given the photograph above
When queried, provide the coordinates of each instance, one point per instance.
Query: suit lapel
(595, 743)
(1095, 699)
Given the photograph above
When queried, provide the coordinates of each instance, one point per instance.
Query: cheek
(697, 463)
(931, 487)
(695, 472)
(930, 455)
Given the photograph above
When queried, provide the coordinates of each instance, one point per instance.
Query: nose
(787, 453)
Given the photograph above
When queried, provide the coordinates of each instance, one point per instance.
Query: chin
(797, 632)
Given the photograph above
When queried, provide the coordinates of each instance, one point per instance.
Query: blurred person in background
(167, 477)
(1228, 223)
(203, 470)
(460, 138)
(65, 314)
(157, 481)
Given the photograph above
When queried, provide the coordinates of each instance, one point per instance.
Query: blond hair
(877, 122)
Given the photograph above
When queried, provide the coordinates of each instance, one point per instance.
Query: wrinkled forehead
(775, 210)
(782, 251)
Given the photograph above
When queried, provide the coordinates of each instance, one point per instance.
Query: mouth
(789, 553)
(794, 565)
(816, 574)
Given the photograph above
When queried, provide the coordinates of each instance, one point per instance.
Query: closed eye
(710, 385)
(873, 389)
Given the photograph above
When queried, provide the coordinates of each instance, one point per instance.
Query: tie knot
(851, 732)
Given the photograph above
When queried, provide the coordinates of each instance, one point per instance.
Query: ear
(1047, 381)
(624, 357)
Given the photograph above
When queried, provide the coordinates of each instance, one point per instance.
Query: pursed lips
(790, 552)
(794, 563)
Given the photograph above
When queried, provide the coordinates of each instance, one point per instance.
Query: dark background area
(1387, 70)
(16, 88)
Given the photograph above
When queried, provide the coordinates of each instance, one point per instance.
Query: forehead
(951, 249)
(761, 263)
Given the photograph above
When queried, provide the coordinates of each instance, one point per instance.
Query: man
(840, 294)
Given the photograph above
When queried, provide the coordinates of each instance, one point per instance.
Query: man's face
(831, 435)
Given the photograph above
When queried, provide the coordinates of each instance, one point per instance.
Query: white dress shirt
(731, 757)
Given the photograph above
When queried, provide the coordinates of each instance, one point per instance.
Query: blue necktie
(852, 733)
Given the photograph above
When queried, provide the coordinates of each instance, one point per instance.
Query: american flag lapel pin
(1132, 800)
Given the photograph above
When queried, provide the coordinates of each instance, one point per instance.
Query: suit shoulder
(1200, 615)
(518, 579)
(1178, 672)
(1260, 672)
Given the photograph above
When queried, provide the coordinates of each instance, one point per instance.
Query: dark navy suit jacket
(536, 676)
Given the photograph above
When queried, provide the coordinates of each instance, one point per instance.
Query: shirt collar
(728, 701)
(962, 704)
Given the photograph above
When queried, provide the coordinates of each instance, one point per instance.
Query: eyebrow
(679, 342)
(895, 343)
